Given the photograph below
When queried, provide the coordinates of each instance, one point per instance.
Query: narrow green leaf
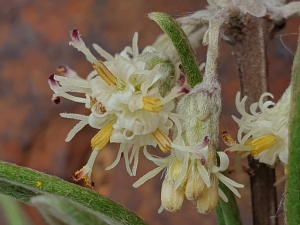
(13, 211)
(23, 183)
(182, 45)
(58, 210)
(292, 204)
(230, 210)
(220, 216)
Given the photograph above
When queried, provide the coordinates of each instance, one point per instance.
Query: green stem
(182, 45)
(292, 203)
(22, 184)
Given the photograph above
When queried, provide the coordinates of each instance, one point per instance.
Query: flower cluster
(125, 105)
(188, 175)
(265, 129)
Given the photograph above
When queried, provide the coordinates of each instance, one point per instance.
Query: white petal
(147, 176)
(222, 195)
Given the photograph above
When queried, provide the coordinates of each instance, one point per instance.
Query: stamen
(82, 174)
(163, 141)
(103, 136)
(152, 104)
(262, 143)
(227, 139)
(105, 73)
(86, 172)
(56, 100)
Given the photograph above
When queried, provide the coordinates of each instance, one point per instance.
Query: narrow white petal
(222, 195)
(136, 161)
(204, 174)
(121, 150)
(161, 208)
(103, 53)
(76, 129)
(147, 176)
(223, 178)
(135, 48)
(74, 116)
(183, 172)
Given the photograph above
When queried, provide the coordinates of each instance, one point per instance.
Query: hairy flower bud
(171, 199)
(209, 199)
(195, 187)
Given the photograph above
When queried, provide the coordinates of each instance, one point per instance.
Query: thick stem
(249, 36)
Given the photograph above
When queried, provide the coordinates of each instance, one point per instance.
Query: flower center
(261, 144)
(152, 104)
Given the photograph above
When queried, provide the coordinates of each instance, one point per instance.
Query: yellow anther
(261, 144)
(103, 136)
(105, 73)
(152, 104)
(227, 139)
(163, 141)
(61, 69)
(38, 183)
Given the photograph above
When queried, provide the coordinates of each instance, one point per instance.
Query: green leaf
(230, 211)
(13, 211)
(62, 211)
(182, 45)
(292, 210)
(22, 184)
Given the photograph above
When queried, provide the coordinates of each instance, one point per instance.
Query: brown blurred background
(34, 36)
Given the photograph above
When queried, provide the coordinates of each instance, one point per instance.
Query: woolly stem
(292, 206)
(248, 36)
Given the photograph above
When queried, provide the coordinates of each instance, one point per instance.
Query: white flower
(187, 174)
(265, 129)
(125, 106)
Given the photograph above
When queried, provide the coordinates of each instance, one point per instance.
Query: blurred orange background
(34, 36)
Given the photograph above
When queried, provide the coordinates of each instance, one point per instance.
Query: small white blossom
(263, 132)
(125, 106)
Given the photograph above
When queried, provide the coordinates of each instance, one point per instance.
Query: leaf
(62, 211)
(23, 184)
(228, 212)
(182, 45)
(13, 211)
(292, 206)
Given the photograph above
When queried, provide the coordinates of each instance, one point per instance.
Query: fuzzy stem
(292, 206)
(248, 36)
(23, 184)
(182, 45)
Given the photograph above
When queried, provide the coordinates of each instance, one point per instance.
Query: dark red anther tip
(56, 100)
(75, 33)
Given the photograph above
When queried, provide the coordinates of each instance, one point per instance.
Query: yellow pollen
(87, 180)
(152, 104)
(261, 144)
(105, 73)
(103, 136)
(163, 141)
(38, 183)
(61, 69)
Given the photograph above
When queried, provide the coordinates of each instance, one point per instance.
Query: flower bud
(209, 199)
(171, 199)
(195, 187)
